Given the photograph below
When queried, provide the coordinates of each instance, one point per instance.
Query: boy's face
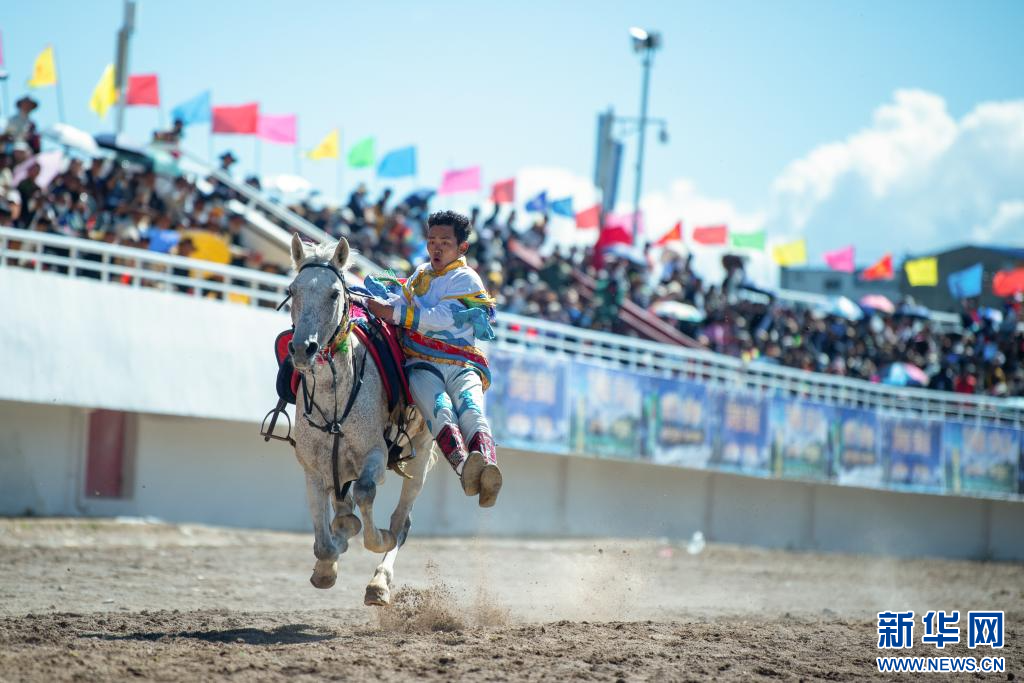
(442, 246)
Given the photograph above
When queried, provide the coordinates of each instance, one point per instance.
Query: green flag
(747, 240)
(361, 154)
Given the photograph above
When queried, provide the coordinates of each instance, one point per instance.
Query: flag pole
(60, 89)
(256, 155)
(298, 153)
(337, 171)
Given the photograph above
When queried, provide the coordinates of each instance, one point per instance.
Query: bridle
(338, 339)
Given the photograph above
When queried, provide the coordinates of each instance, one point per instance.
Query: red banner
(504, 191)
(241, 120)
(673, 235)
(143, 91)
(711, 235)
(589, 218)
(879, 271)
(1008, 282)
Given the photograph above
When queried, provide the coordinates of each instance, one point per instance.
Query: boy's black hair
(460, 224)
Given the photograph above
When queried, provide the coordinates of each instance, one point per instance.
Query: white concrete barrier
(197, 376)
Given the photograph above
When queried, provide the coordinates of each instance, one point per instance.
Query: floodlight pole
(124, 36)
(649, 45)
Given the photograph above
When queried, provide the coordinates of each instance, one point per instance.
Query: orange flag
(879, 271)
(673, 235)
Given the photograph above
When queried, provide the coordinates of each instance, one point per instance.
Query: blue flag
(563, 207)
(538, 203)
(398, 163)
(196, 110)
(965, 283)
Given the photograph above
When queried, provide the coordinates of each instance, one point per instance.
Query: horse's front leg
(378, 591)
(365, 490)
(326, 546)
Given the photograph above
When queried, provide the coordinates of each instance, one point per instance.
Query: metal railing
(140, 268)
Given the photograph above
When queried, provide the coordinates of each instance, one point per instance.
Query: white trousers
(448, 395)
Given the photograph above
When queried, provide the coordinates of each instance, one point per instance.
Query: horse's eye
(335, 294)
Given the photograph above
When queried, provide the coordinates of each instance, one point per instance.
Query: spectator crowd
(123, 202)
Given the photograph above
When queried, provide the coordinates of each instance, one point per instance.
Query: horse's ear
(341, 254)
(298, 251)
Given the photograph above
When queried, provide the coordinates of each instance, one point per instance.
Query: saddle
(381, 341)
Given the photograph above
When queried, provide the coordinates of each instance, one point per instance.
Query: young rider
(444, 308)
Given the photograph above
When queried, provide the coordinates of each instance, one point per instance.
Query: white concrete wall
(221, 472)
(86, 343)
(198, 374)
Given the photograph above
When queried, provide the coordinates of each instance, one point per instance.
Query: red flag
(504, 191)
(673, 235)
(241, 120)
(143, 90)
(879, 271)
(589, 218)
(711, 235)
(1008, 282)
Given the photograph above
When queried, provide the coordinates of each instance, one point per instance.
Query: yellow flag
(105, 94)
(328, 147)
(44, 72)
(922, 272)
(791, 254)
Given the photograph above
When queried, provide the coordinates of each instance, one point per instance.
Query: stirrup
(267, 432)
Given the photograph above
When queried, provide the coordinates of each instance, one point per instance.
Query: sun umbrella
(914, 311)
(627, 252)
(877, 302)
(288, 184)
(69, 136)
(905, 374)
(844, 308)
(991, 314)
(678, 310)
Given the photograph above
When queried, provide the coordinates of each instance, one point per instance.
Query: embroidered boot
(480, 474)
(449, 440)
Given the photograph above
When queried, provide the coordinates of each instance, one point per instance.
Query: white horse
(341, 417)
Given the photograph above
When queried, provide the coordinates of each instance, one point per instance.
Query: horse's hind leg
(378, 591)
(365, 490)
(326, 546)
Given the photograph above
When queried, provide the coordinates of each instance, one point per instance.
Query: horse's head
(320, 303)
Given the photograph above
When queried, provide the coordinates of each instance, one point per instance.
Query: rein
(338, 341)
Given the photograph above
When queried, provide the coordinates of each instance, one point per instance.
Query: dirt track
(87, 600)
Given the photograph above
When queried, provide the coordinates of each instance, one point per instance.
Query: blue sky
(747, 87)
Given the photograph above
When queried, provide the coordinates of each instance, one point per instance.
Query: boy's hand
(380, 310)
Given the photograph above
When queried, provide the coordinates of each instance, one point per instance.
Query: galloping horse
(341, 417)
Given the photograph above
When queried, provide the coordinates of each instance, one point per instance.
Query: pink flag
(462, 180)
(282, 128)
(840, 259)
(625, 221)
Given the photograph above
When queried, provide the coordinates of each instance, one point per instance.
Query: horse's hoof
(323, 582)
(387, 542)
(377, 596)
(490, 485)
(346, 525)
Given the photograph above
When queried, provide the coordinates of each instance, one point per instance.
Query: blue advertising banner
(981, 459)
(608, 411)
(801, 438)
(859, 448)
(527, 403)
(741, 442)
(914, 453)
(681, 423)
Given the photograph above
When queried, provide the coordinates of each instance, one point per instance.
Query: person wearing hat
(227, 160)
(21, 127)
